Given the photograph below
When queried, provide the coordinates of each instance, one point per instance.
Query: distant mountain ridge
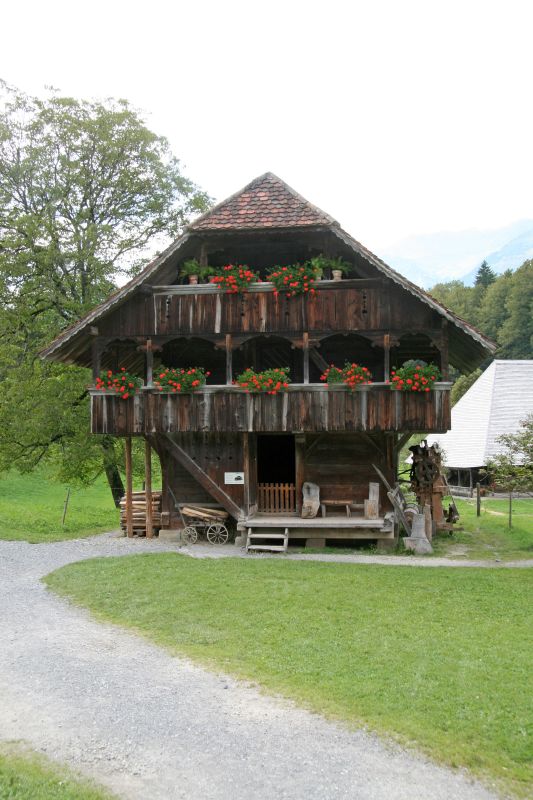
(457, 255)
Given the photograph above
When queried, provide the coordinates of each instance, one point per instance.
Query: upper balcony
(302, 408)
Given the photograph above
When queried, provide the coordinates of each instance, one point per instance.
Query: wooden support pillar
(229, 360)
(445, 366)
(129, 489)
(386, 354)
(299, 455)
(305, 351)
(149, 363)
(148, 488)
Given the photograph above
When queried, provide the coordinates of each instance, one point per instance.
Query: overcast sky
(397, 117)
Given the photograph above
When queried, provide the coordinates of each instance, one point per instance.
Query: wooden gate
(276, 498)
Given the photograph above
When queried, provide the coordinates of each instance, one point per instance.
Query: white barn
(495, 404)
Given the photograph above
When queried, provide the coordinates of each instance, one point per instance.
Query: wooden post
(386, 356)
(510, 508)
(149, 363)
(229, 360)
(445, 366)
(148, 488)
(299, 455)
(306, 356)
(129, 489)
(246, 470)
(478, 499)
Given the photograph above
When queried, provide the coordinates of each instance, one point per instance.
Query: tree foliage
(85, 190)
(512, 469)
(485, 275)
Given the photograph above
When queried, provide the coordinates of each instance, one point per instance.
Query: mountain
(456, 255)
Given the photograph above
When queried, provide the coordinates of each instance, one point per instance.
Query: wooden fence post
(478, 499)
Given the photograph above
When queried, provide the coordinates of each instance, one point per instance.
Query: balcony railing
(302, 408)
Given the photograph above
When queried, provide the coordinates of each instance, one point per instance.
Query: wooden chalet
(252, 453)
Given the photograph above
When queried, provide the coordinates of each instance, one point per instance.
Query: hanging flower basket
(177, 380)
(234, 278)
(270, 381)
(294, 279)
(415, 376)
(351, 375)
(121, 383)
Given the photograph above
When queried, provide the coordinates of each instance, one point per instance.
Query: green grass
(488, 536)
(440, 658)
(31, 508)
(26, 776)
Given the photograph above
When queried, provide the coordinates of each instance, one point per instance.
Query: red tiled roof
(267, 202)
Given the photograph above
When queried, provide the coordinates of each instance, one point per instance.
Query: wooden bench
(347, 504)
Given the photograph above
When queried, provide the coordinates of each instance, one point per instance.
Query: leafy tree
(493, 311)
(516, 333)
(463, 384)
(512, 469)
(485, 275)
(85, 190)
(458, 298)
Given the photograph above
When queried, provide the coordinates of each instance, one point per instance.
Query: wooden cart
(198, 519)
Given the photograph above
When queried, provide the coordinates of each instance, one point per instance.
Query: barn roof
(495, 404)
(268, 203)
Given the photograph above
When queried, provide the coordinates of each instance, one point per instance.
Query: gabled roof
(266, 202)
(495, 404)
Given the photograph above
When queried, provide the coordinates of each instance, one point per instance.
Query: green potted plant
(194, 271)
(337, 266)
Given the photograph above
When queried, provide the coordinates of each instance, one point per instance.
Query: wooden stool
(345, 503)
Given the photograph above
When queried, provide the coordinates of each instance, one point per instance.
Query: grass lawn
(440, 658)
(26, 776)
(488, 536)
(31, 508)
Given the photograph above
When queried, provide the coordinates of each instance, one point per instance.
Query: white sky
(397, 117)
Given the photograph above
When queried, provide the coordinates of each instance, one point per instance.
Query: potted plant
(294, 279)
(121, 383)
(337, 266)
(270, 381)
(415, 376)
(180, 380)
(195, 272)
(234, 278)
(351, 375)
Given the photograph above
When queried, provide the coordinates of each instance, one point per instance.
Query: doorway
(276, 474)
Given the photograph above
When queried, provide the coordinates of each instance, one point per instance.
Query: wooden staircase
(276, 542)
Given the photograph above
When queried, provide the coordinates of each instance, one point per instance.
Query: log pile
(139, 512)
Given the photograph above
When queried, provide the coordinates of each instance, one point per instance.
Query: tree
(493, 311)
(485, 276)
(85, 190)
(458, 298)
(512, 469)
(463, 384)
(516, 333)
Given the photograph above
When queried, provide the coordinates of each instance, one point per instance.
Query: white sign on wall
(234, 477)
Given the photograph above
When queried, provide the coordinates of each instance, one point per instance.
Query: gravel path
(150, 726)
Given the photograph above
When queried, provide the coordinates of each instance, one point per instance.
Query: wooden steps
(271, 538)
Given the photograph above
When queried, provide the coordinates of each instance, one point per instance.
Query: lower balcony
(302, 408)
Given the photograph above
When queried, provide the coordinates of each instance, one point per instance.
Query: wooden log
(129, 488)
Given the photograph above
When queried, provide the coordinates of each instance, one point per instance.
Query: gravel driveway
(154, 727)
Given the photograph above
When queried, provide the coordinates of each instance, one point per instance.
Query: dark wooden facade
(329, 436)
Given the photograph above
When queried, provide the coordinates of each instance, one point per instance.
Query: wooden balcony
(303, 408)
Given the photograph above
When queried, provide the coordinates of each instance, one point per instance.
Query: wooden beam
(386, 353)
(148, 488)
(299, 454)
(96, 349)
(149, 363)
(229, 360)
(306, 356)
(202, 477)
(129, 489)
(445, 366)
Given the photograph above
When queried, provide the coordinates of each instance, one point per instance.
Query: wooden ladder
(277, 542)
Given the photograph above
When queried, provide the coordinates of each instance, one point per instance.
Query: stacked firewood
(139, 512)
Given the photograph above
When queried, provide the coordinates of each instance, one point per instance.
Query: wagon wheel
(189, 534)
(426, 472)
(217, 533)
(410, 510)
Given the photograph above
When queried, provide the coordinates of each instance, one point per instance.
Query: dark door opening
(276, 474)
